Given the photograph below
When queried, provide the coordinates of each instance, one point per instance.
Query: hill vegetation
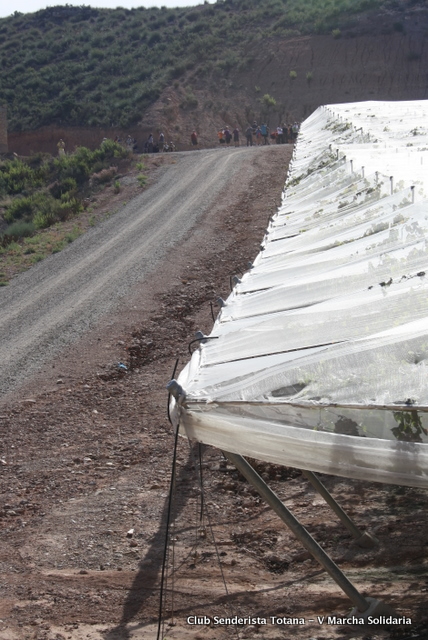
(38, 191)
(79, 66)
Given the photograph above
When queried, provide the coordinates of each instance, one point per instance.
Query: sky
(29, 6)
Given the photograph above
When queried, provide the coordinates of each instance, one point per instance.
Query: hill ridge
(80, 66)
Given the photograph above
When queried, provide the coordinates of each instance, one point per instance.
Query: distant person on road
(220, 136)
(265, 132)
(150, 143)
(129, 142)
(161, 141)
(279, 134)
(258, 136)
(61, 147)
(295, 130)
(227, 136)
(254, 127)
(236, 136)
(249, 136)
(285, 133)
(194, 138)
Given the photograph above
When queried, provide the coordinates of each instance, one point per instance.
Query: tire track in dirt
(49, 306)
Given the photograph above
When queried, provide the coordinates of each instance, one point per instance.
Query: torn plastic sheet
(321, 355)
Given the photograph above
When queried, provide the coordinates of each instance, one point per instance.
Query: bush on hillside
(268, 101)
(43, 190)
(20, 229)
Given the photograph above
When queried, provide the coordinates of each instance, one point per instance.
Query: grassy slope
(83, 66)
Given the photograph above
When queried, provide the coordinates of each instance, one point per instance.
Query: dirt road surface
(53, 303)
(86, 447)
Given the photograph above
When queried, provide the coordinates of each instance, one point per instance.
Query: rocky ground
(86, 457)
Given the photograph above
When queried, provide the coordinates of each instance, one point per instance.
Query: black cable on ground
(203, 502)
(201, 481)
(168, 520)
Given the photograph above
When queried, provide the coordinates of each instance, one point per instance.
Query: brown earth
(86, 456)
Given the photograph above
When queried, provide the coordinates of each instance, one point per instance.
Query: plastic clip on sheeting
(175, 389)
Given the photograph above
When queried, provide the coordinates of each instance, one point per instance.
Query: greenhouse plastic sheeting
(318, 359)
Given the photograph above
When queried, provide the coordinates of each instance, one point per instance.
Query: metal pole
(363, 539)
(299, 531)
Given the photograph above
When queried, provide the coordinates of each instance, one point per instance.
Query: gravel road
(54, 302)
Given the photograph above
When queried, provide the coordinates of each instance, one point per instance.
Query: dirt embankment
(86, 457)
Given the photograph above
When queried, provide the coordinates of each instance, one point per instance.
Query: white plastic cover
(319, 358)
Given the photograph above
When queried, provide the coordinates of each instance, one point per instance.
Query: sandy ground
(86, 457)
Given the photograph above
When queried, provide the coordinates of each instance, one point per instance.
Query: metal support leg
(362, 538)
(361, 604)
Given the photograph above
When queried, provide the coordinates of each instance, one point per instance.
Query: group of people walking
(225, 136)
(254, 134)
(155, 146)
(261, 134)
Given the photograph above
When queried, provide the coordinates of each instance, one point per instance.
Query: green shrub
(109, 149)
(37, 257)
(17, 176)
(268, 101)
(20, 208)
(41, 209)
(336, 33)
(76, 165)
(192, 16)
(293, 75)
(20, 229)
(67, 208)
(103, 176)
(190, 101)
(46, 211)
(58, 246)
(64, 186)
(73, 235)
(154, 38)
